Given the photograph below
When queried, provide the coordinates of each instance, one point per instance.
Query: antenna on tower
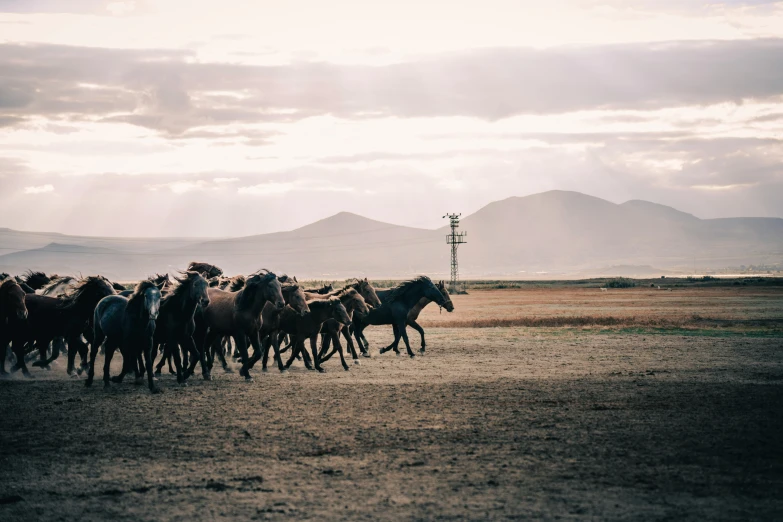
(455, 239)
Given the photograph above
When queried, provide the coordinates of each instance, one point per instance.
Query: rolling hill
(557, 232)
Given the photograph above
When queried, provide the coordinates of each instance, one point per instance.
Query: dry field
(493, 423)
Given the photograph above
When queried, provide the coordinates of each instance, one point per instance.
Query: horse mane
(406, 286)
(89, 288)
(136, 299)
(237, 283)
(33, 279)
(246, 296)
(183, 284)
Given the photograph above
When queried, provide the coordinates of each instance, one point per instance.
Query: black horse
(54, 318)
(127, 324)
(13, 314)
(396, 304)
(175, 324)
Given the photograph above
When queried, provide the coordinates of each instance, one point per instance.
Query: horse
(238, 314)
(322, 290)
(13, 313)
(295, 300)
(175, 324)
(36, 280)
(352, 301)
(51, 318)
(396, 305)
(24, 286)
(127, 324)
(416, 310)
(205, 269)
(309, 326)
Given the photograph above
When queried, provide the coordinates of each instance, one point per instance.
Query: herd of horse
(199, 315)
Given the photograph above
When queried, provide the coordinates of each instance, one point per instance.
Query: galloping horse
(13, 313)
(66, 317)
(396, 305)
(238, 314)
(127, 324)
(175, 324)
(352, 301)
(309, 326)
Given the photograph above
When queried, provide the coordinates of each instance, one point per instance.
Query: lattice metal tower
(455, 239)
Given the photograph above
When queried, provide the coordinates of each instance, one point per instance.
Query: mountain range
(557, 233)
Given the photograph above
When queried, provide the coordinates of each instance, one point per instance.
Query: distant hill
(556, 232)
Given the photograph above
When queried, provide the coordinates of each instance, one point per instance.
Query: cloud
(169, 91)
(41, 189)
(278, 188)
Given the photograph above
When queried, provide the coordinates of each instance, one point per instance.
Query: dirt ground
(493, 423)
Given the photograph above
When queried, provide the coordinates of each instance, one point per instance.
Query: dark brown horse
(66, 317)
(13, 314)
(205, 269)
(353, 301)
(423, 302)
(175, 324)
(238, 314)
(301, 328)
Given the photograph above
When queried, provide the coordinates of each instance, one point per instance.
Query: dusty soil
(493, 423)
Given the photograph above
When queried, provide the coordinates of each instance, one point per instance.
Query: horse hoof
(397, 354)
(265, 370)
(227, 369)
(321, 370)
(28, 375)
(154, 378)
(421, 351)
(183, 384)
(116, 379)
(357, 362)
(413, 355)
(207, 377)
(157, 373)
(37, 364)
(347, 368)
(366, 354)
(283, 370)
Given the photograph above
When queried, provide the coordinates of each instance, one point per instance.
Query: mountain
(560, 233)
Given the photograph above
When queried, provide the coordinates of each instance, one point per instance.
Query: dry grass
(584, 307)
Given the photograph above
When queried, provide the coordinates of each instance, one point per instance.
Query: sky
(233, 118)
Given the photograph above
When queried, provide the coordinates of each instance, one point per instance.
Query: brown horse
(309, 326)
(13, 314)
(295, 300)
(353, 301)
(238, 314)
(205, 269)
(52, 318)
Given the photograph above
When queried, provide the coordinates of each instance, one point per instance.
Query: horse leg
(148, 360)
(17, 346)
(139, 366)
(74, 345)
(108, 354)
(174, 354)
(189, 345)
(393, 346)
(295, 349)
(314, 349)
(416, 326)
(339, 347)
(241, 342)
(165, 353)
(221, 347)
(3, 355)
(404, 334)
(326, 342)
(97, 342)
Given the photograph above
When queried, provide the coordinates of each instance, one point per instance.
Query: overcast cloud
(218, 127)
